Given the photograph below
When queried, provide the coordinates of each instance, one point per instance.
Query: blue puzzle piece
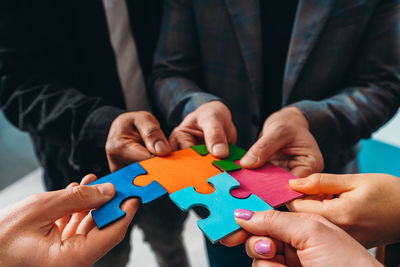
(221, 205)
(123, 182)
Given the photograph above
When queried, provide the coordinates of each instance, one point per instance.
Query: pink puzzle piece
(269, 183)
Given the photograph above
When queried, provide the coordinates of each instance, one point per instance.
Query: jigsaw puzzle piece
(269, 182)
(228, 164)
(220, 204)
(180, 169)
(123, 182)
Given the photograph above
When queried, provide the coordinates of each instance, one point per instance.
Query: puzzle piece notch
(228, 164)
(125, 189)
(180, 169)
(220, 204)
(269, 182)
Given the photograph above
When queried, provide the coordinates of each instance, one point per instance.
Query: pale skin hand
(134, 136)
(54, 228)
(367, 206)
(286, 141)
(211, 124)
(301, 240)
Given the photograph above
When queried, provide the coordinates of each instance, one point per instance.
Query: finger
(291, 257)
(127, 154)
(57, 204)
(215, 137)
(235, 239)
(70, 228)
(62, 222)
(301, 171)
(231, 133)
(115, 165)
(152, 135)
(311, 206)
(284, 226)
(258, 247)
(181, 139)
(266, 146)
(88, 179)
(268, 263)
(324, 183)
(98, 242)
(86, 225)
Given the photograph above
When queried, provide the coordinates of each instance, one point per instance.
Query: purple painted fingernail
(244, 214)
(263, 248)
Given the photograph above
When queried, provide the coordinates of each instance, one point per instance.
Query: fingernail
(263, 248)
(244, 214)
(219, 149)
(248, 159)
(299, 181)
(160, 146)
(106, 189)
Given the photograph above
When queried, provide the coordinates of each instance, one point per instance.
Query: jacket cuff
(196, 100)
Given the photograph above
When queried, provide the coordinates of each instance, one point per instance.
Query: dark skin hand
(133, 137)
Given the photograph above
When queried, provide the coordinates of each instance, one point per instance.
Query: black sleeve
(37, 102)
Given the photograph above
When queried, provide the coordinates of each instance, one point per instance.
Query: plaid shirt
(342, 71)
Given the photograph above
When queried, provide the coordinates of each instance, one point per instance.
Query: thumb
(60, 203)
(324, 183)
(286, 227)
(269, 143)
(215, 138)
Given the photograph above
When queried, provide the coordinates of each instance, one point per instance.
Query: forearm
(371, 91)
(339, 122)
(177, 74)
(177, 97)
(61, 114)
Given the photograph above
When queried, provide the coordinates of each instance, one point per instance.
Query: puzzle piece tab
(179, 170)
(228, 164)
(123, 182)
(221, 205)
(269, 182)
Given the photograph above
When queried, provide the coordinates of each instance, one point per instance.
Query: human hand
(297, 239)
(286, 141)
(80, 222)
(211, 124)
(134, 136)
(40, 231)
(367, 206)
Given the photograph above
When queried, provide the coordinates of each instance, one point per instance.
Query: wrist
(297, 116)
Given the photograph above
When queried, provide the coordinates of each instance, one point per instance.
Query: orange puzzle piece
(179, 170)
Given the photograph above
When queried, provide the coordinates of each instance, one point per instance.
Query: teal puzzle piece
(123, 182)
(221, 205)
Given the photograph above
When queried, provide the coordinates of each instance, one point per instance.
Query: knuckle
(151, 132)
(347, 219)
(316, 179)
(114, 147)
(79, 192)
(280, 130)
(144, 115)
(270, 217)
(216, 133)
(314, 227)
